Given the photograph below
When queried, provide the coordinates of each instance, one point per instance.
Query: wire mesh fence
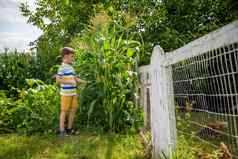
(200, 82)
(206, 94)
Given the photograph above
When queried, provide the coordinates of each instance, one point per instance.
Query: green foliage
(36, 111)
(39, 109)
(108, 60)
(169, 23)
(173, 23)
(16, 67)
(60, 20)
(7, 107)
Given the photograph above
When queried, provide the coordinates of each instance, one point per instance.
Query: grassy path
(85, 146)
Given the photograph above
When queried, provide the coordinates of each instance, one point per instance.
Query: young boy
(67, 79)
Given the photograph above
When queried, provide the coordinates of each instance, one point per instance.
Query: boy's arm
(80, 80)
(60, 80)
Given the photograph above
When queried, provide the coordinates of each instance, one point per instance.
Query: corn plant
(108, 58)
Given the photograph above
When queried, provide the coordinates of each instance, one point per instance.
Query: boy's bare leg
(71, 118)
(72, 112)
(62, 120)
(65, 102)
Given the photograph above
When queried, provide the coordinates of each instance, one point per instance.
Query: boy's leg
(65, 102)
(62, 120)
(72, 111)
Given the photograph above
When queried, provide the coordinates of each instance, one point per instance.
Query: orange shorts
(69, 102)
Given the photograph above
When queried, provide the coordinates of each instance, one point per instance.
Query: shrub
(36, 111)
(16, 67)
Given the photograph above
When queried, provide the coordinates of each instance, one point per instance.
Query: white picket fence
(160, 79)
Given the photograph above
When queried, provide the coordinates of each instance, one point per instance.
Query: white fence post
(145, 92)
(162, 105)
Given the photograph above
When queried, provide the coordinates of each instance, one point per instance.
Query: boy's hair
(66, 51)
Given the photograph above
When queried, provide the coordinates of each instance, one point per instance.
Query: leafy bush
(40, 108)
(16, 67)
(36, 111)
(7, 106)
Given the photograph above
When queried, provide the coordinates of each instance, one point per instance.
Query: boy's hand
(81, 81)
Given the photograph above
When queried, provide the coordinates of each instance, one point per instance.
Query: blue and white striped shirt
(67, 73)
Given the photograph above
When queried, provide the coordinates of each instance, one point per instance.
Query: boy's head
(67, 55)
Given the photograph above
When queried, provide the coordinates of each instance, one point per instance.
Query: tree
(60, 20)
(173, 23)
(169, 23)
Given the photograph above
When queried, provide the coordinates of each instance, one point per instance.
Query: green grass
(85, 146)
(206, 143)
